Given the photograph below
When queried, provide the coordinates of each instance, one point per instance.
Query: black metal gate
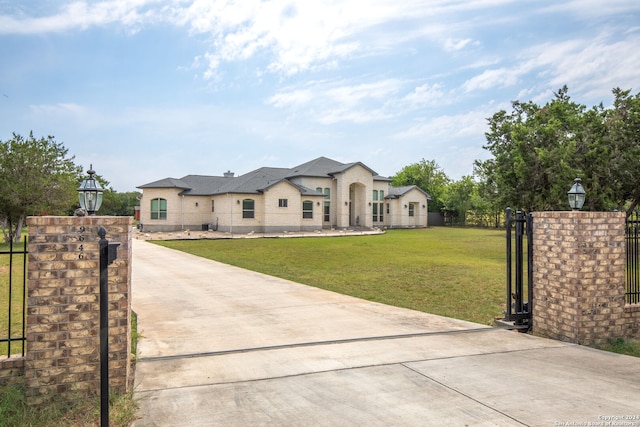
(518, 309)
(13, 285)
(632, 231)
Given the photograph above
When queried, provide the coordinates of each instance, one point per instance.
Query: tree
(623, 125)
(428, 176)
(538, 151)
(36, 177)
(458, 198)
(119, 204)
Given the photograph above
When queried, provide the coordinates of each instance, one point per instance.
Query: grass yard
(454, 272)
(14, 292)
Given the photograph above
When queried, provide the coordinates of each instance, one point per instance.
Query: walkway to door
(230, 347)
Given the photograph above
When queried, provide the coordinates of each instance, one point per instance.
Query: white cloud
(590, 66)
(592, 8)
(500, 77)
(331, 102)
(297, 98)
(301, 35)
(470, 124)
(451, 45)
(80, 15)
(426, 95)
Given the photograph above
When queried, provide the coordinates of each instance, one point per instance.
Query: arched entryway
(357, 205)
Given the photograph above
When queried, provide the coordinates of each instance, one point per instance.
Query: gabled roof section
(306, 191)
(319, 167)
(325, 167)
(253, 182)
(350, 165)
(203, 185)
(396, 192)
(167, 183)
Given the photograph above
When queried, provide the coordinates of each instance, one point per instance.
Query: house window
(158, 208)
(375, 195)
(388, 209)
(327, 211)
(375, 211)
(213, 206)
(307, 209)
(381, 218)
(248, 208)
(412, 209)
(327, 193)
(283, 203)
(319, 189)
(381, 195)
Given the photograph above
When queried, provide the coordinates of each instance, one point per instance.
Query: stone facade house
(319, 194)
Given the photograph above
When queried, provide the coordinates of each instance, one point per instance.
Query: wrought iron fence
(518, 309)
(13, 285)
(632, 233)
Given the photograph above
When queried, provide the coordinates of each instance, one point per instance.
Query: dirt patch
(201, 235)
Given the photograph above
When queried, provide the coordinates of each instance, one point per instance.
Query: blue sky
(148, 89)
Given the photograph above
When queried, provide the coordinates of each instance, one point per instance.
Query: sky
(149, 89)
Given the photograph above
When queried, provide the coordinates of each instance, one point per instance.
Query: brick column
(63, 314)
(579, 275)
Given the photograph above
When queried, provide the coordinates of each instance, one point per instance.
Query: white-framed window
(283, 203)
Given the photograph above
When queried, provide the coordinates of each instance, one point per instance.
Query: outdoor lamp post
(90, 193)
(576, 195)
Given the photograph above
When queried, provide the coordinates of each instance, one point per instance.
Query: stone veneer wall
(11, 369)
(63, 306)
(579, 261)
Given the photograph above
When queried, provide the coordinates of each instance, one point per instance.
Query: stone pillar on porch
(579, 276)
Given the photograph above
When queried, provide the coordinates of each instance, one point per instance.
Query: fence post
(579, 273)
(63, 311)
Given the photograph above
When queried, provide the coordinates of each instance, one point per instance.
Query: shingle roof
(324, 167)
(167, 183)
(203, 185)
(395, 192)
(258, 180)
(255, 181)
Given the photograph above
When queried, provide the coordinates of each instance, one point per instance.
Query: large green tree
(36, 177)
(623, 130)
(539, 150)
(427, 175)
(119, 204)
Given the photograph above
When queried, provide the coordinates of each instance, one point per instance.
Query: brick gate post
(63, 310)
(579, 261)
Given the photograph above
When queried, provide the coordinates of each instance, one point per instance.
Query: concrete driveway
(223, 346)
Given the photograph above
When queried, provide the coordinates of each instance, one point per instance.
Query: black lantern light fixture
(577, 195)
(90, 193)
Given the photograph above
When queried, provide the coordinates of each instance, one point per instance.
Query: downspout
(182, 214)
(230, 214)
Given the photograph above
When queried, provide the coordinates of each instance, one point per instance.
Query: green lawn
(15, 293)
(455, 272)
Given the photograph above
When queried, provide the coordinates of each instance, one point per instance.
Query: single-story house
(322, 193)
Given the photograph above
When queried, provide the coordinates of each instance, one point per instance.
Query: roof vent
(229, 174)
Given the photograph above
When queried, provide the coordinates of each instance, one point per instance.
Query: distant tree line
(537, 152)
